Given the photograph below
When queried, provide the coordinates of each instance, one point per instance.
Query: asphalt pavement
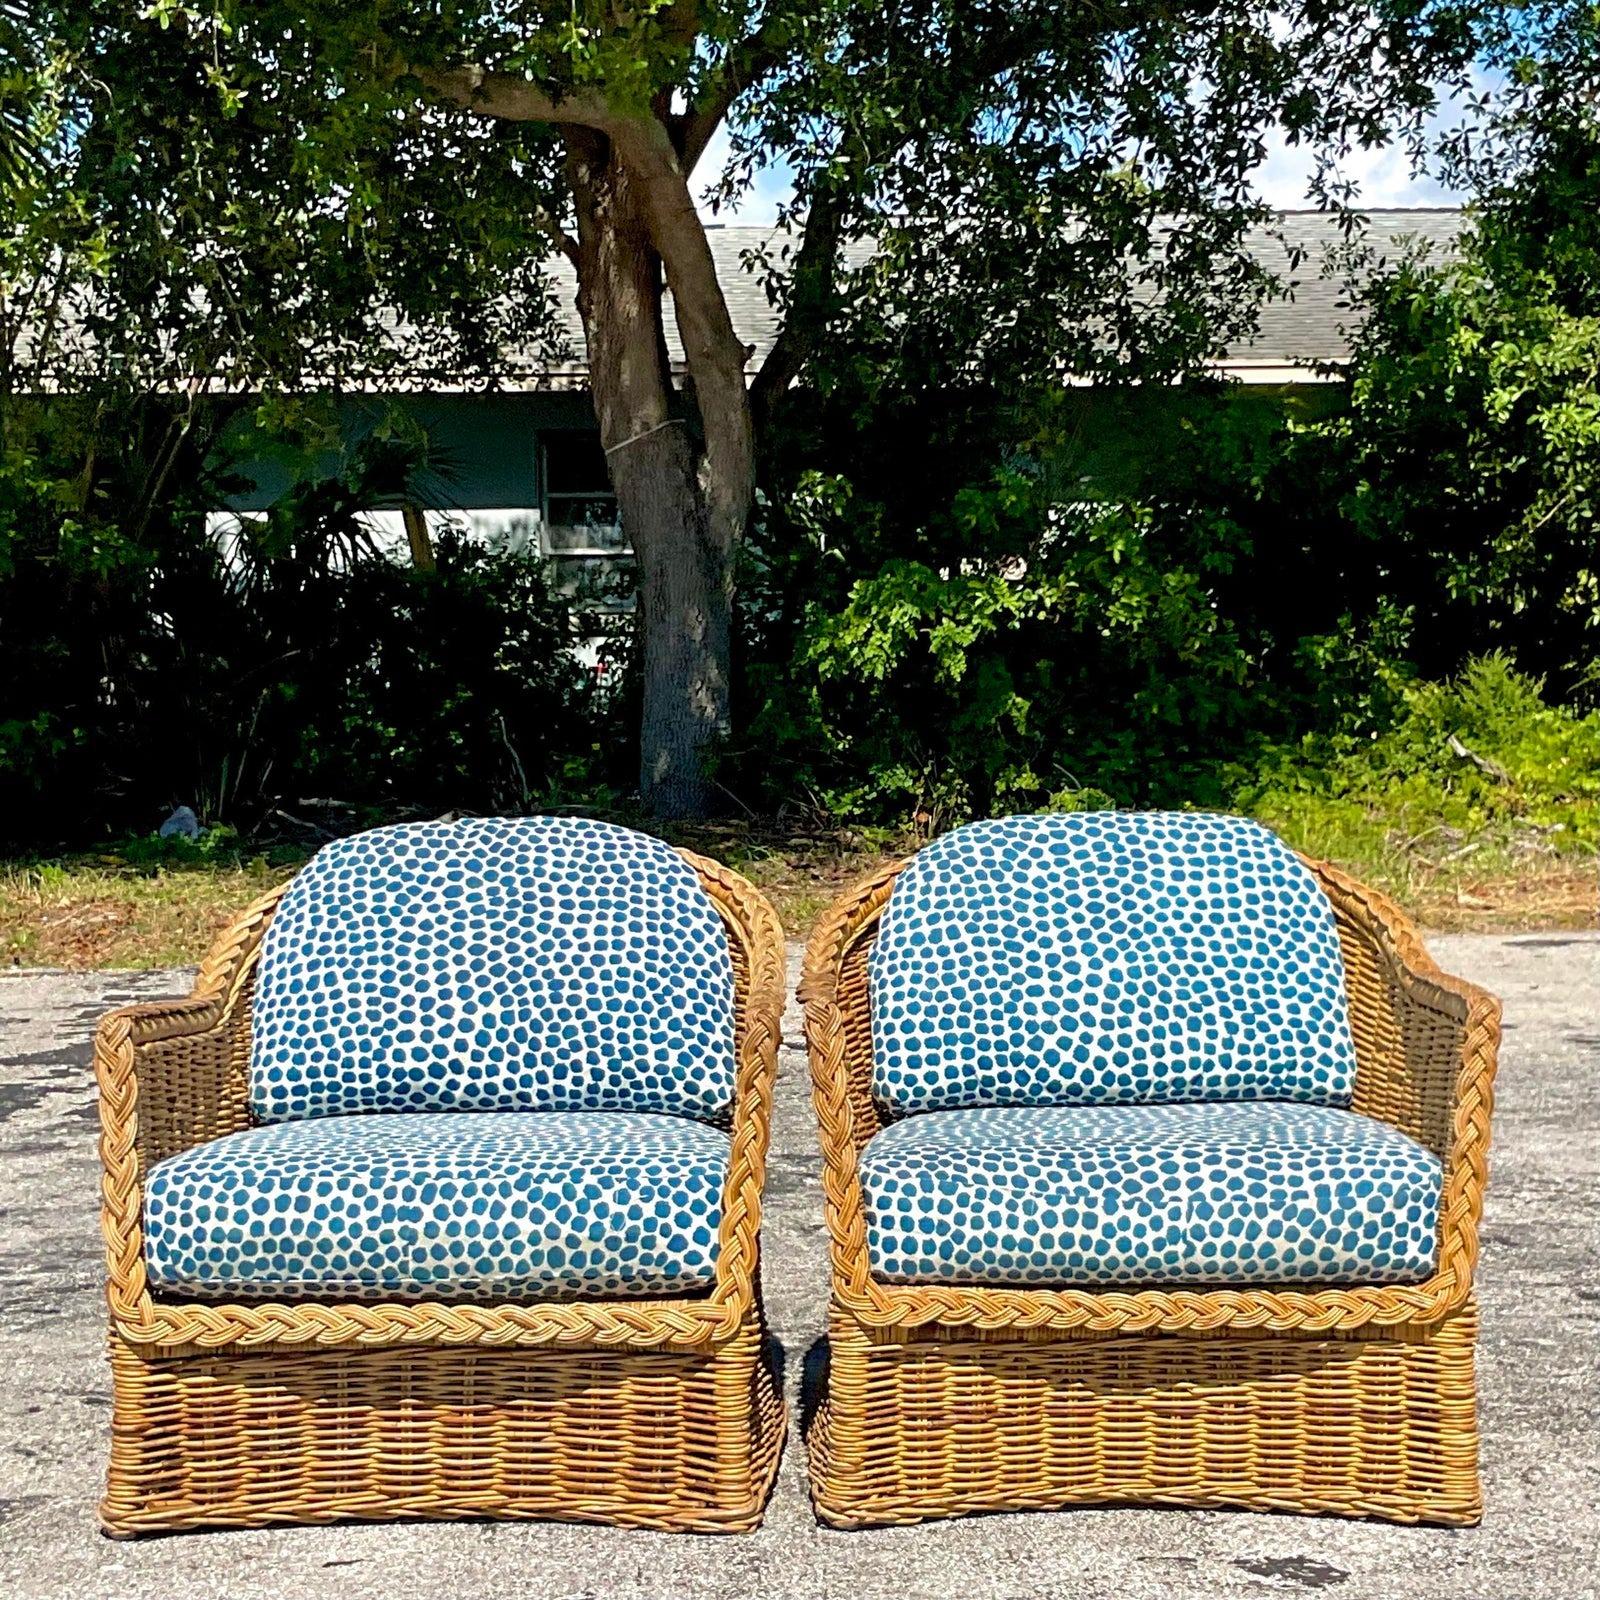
(1539, 1377)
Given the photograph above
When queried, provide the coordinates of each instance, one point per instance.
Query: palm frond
(19, 148)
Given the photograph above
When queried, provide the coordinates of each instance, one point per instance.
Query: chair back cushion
(1108, 958)
(494, 964)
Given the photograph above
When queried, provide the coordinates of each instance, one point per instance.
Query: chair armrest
(755, 938)
(171, 1074)
(833, 992)
(1426, 1050)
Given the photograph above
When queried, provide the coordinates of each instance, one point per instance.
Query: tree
(1139, 594)
(1047, 190)
(1468, 458)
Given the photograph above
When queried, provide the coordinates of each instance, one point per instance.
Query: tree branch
(767, 46)
(680, 22)
(509, 98)
(564, 242)
(713, 351)
(812, 282)
(503, 94)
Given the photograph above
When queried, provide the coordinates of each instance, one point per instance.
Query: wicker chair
(657, 1411)
(952, 1397)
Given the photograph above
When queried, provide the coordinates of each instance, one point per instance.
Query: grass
(1505, 878)
(85, 912)
(1477, 808)
(140, 906)
(89, 912)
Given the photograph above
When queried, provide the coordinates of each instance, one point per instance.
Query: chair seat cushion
(1254, 1193)
(442, 1205)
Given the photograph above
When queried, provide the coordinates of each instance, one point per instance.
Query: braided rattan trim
(1453, 1066)
(214, 1019)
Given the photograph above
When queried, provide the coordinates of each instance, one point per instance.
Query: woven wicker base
(917, 1427)
(655, 1439)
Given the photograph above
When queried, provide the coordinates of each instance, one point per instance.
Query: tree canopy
(1045, 184)
(1471, 449)
(288, 197)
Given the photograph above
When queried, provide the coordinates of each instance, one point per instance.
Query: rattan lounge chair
(1029, 1309)
(440, 1195)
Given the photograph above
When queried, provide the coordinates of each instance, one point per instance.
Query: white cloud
(1383, 177)
(758, 206)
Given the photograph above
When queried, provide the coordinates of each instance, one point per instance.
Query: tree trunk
(685, 605)
(418, 537)
(683, 498)
(677, 513)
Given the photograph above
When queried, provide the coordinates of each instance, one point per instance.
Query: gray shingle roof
(1297, 331)
(1307, 326)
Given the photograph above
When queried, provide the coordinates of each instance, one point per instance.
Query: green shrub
(1040, 619)
(1147, 592)
(1477, 773)
(143, 667)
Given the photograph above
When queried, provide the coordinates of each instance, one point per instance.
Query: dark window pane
(575, 464)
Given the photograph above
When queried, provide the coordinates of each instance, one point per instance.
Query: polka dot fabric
(528, 964)
(1152, 1195)
(1106, 958)
(493, 1205)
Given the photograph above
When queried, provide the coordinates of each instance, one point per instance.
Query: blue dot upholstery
(1223, 1194)
(1105, 958)
(453, 1205)
(494, 964)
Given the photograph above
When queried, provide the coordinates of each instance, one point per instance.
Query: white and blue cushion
(1103, 958)
(455, 1205)
(1252, 1193)
(527, 964)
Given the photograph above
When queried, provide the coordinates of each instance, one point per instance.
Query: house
(523, 463)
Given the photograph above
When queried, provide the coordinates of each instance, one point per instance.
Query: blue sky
(1384, 176)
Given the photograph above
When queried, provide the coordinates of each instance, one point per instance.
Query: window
(580, 511)
(588, 558)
